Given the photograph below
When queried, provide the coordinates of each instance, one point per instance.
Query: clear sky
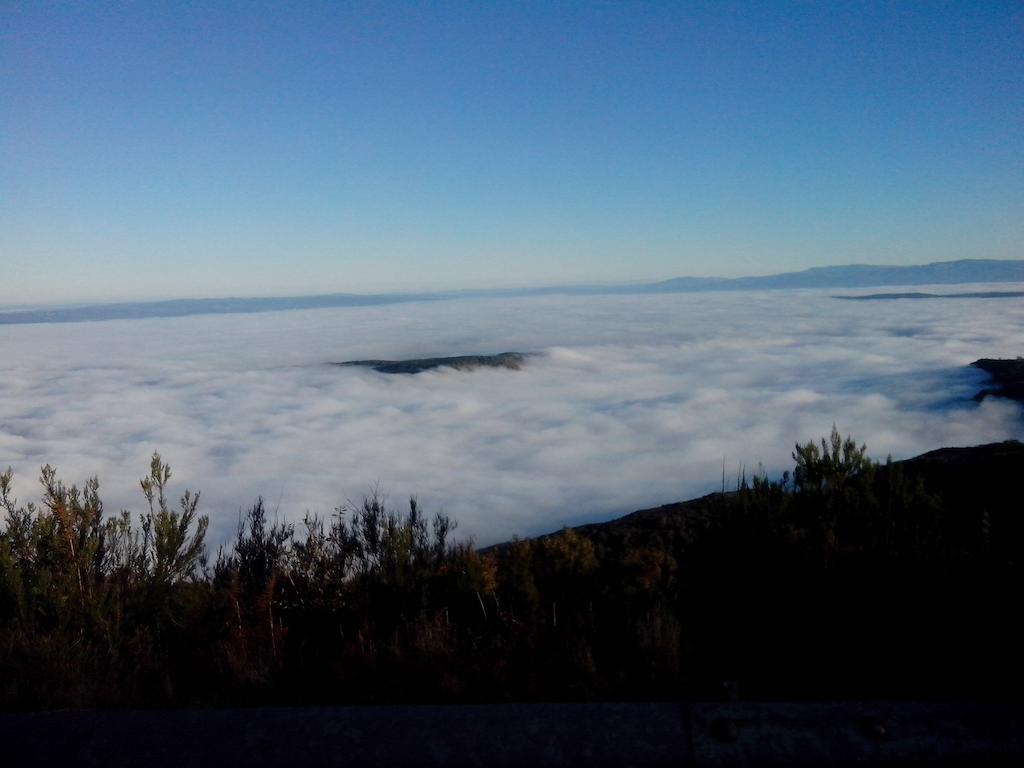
(203, 149)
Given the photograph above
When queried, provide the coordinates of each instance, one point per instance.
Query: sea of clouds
(632, 401)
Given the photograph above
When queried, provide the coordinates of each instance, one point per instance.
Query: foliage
(846, 577)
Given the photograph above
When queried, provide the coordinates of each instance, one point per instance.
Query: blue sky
(192, 149)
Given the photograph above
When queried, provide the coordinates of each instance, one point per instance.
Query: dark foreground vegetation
(846, 578)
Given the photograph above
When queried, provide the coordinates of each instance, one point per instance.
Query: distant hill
(136, 310)
(921, 295)
(849, 276)
(861, 276)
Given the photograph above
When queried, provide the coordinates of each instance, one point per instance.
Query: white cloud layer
(635, 401)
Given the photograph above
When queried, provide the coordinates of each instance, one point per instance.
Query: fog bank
(632, 401)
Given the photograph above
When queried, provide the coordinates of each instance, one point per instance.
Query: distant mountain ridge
(848, 276)
(862, 276)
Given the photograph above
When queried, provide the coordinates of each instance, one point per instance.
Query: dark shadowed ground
(701, 734)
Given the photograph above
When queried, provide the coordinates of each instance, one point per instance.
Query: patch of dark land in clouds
(511, 360)
(923, 295)
(1007, 375)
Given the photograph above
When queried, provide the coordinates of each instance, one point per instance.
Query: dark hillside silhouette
(1007, 375)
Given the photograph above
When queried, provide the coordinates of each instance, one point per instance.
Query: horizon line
(402, 295)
